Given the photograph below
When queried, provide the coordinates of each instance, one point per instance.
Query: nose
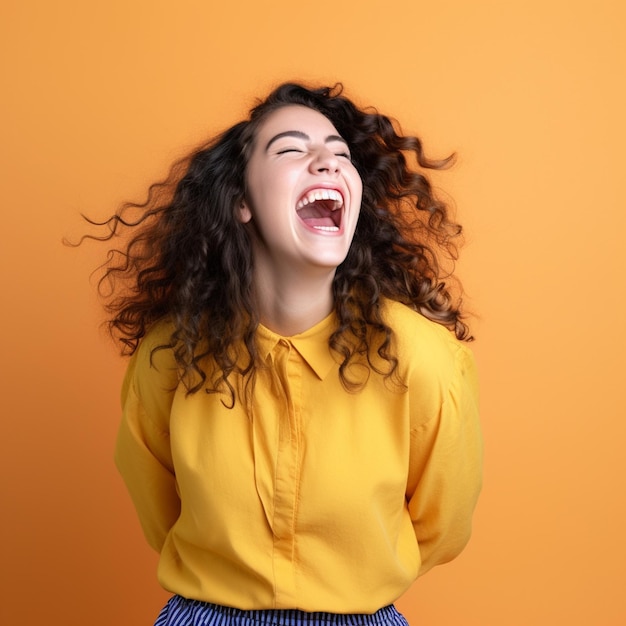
(325, 161)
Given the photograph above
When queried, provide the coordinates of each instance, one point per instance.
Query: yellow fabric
(304, 495)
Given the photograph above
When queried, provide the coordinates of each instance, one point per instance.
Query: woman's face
(303, 193)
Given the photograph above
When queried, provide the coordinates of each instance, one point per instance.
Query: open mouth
(321, 209)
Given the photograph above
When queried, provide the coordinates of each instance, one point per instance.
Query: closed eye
(285, 150)
(343, 155)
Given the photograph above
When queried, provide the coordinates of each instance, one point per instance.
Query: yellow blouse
(305, 496)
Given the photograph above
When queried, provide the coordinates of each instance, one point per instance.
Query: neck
(292, 302)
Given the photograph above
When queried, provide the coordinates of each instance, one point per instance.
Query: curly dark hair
(189, 257)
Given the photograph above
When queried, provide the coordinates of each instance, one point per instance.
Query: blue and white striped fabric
(182, 612)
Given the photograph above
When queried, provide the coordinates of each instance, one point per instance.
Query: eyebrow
(300, 135)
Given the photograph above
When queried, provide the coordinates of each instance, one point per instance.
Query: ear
(243, 212)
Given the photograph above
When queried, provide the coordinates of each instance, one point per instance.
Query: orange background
(98, 99)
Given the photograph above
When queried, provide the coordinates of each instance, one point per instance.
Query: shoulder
(152, 368)
(437, 370)
(425, 349)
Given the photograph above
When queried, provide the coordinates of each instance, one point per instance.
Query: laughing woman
(300, 433)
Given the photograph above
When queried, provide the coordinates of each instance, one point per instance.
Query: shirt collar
(312, 344)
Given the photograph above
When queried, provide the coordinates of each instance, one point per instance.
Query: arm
(143, 454)
(446, 468)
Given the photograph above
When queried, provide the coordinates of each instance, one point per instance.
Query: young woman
(300, 433)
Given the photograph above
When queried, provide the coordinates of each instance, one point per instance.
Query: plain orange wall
(98, 98)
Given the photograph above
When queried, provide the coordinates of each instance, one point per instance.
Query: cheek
(270, 192)
(358, 192)
(356, 182)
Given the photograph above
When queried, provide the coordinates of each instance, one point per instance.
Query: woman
(300, 433)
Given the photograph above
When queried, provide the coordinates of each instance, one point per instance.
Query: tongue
(318, 221)
(316, 214)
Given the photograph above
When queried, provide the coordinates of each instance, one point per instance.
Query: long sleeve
(143, 453)
(302, 495)
(446, 467)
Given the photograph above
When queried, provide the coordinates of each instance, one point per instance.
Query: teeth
(330, 229)
(321, 194)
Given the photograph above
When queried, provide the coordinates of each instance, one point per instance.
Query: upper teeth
(321, 194)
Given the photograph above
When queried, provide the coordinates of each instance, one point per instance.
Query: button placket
(288, 366)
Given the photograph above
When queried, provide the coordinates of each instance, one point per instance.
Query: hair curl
(189, 258)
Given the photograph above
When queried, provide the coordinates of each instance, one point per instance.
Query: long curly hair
(187, 258)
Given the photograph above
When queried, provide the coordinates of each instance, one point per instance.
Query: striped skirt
(182, 612)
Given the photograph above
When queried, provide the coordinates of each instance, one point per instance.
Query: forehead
(294, 117)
